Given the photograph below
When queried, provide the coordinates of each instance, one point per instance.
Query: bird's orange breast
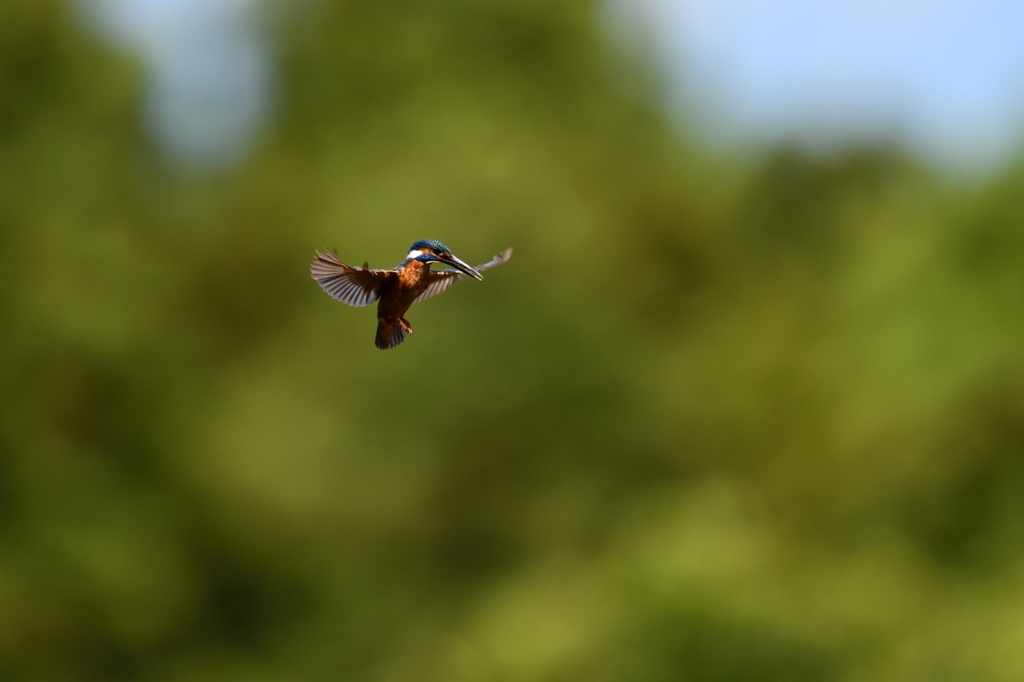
(412, 281)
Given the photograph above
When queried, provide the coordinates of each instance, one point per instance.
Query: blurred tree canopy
(718, 419)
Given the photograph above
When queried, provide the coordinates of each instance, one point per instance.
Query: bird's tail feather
(390, 334)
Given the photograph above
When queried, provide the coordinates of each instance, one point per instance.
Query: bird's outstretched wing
(352, 285)
(440, 280)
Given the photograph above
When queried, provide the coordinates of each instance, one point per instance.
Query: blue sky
(210, 73)
(946, 76)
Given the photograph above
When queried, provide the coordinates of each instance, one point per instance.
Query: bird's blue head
(430, 246)
(433, 251)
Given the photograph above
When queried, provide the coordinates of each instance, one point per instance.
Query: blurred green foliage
(716, 420)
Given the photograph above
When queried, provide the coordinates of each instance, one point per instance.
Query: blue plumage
(431, 244)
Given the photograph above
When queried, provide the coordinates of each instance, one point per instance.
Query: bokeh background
(744, 405)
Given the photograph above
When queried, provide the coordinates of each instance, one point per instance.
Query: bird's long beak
(459, 265)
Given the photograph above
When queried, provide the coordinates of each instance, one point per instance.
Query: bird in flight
(409, 282)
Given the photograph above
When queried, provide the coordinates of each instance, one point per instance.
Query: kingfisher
(409, 282)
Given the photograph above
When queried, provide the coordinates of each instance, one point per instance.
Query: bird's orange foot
(404, 323)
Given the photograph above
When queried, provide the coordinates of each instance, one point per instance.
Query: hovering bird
(410, 281)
